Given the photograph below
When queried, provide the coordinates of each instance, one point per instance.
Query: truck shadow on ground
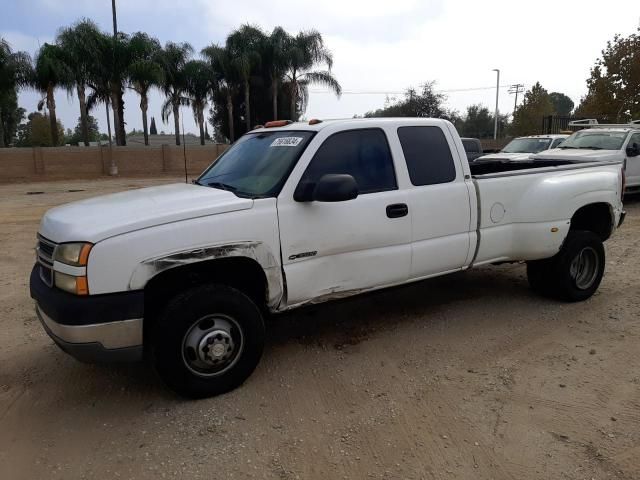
(332, 325)
(352, 320)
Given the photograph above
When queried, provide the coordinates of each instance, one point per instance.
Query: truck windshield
(258, 164)
(527, 145)
(595, 140)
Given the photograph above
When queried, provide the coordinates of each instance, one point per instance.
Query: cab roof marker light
(277, 123)
(314, 121)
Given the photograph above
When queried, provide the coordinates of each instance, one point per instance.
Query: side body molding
(257, 251)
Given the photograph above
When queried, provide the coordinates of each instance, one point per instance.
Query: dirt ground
(469, 376)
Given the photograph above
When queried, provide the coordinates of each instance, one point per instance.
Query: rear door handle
(397, 210)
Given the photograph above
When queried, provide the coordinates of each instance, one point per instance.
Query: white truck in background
(522, 148)
(612, 142)
(300, 213)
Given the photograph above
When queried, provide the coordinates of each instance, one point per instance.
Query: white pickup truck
(522, 148)
(299, 213)
(613, 142)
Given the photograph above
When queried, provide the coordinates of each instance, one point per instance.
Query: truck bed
(486, 167)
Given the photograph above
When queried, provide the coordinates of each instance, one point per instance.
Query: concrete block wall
(43, 163)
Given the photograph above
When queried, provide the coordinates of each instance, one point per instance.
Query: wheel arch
(247, 266)
(597, 217)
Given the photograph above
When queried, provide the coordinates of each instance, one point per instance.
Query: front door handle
(397, 210)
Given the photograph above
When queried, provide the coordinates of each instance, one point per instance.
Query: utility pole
(495, 120)
(516, 88)
(113, 168)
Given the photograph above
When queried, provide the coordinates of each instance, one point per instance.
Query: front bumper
(99, 328)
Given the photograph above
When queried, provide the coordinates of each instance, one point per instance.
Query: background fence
(44, 163)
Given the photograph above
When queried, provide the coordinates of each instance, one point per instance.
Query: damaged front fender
(257, 251)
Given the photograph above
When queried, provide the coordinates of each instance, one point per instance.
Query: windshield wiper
(222, 186)
(563, 147)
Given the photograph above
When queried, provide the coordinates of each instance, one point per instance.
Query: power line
(388, 92)
(516, 88)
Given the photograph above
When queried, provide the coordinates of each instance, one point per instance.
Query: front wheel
(575, 273)
(207, 341)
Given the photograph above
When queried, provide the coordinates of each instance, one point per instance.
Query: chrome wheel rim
(212, 345)
(584, 268)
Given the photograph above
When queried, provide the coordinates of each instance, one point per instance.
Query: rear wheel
(208, 341)
(575, 273)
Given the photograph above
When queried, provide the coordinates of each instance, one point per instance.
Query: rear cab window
(428, 155)
(470, 146)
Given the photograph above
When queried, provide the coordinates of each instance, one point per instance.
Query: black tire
(207, 341)
(568, 286)
(566, 276)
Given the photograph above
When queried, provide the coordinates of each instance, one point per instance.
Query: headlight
(75, 254)
(71, 284)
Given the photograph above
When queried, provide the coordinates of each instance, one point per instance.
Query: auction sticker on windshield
(286, 142)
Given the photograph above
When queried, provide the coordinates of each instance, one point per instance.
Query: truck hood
(506, 157)
(97, 218)
(581, 154)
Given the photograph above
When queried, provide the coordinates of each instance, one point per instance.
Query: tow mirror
(633, 150)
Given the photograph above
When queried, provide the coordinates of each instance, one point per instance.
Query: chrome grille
(44, 255)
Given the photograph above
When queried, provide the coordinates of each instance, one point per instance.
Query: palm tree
(15, 71)
(200, 79)
(305, 51)
(79, 44)
(172, 60)
(244, 45)
(275, 59)
(226, 76)
(144, 71)
(121, 57)
(51, 72)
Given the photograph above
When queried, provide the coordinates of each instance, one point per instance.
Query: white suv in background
(521, 148)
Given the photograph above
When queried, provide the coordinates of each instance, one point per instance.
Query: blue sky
(379, 47)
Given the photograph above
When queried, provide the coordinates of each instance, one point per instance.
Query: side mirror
(330, 188)
(335, 188)
(633, 150)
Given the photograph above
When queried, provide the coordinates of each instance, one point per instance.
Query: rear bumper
(623, 214)
(101, 328)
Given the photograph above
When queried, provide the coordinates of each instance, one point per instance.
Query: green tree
(276, 61)
(562, 104)
(226, 77)
(10, 117)
(153, 130)
(144, 71)
(78, 44)
(15, 71)
(172, 60)
(244, 45)
(51, 72)
(528, 116)
(427, 103)
(478, 122)
(305, 51)
(36, 132)
(77, 136)
(613, 88)
(199, 77)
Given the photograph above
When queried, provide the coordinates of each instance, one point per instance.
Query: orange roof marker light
(314, 121)
(277, 123)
